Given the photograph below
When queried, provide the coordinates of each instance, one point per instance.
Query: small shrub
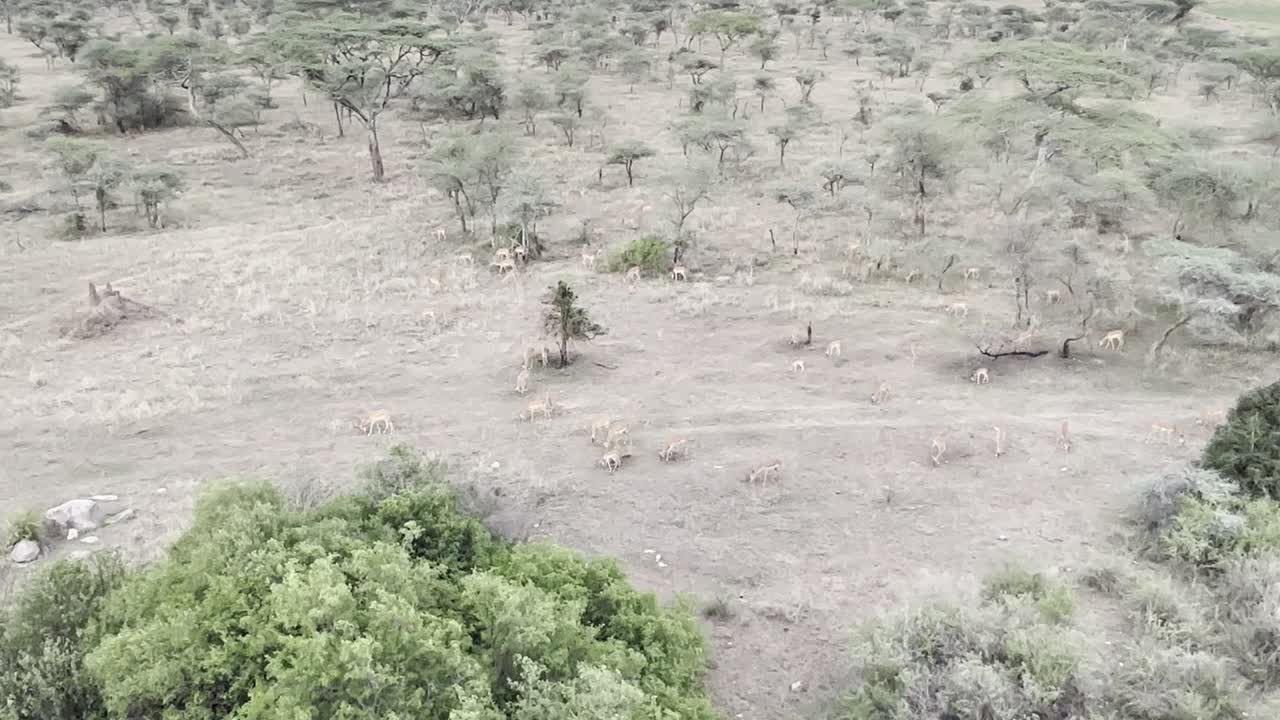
(1052, 598)
(1248, 595)
(718, 610)
(650, 253)
(1161, 609)
(999, 660)
(1155, 682)
(26, 525)
(1246, 448)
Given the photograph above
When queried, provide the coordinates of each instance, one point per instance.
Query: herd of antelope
(613, 436)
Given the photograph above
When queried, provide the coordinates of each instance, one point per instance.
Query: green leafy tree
(923, 154)
(66, 105)
(529, 98)
(566, 319)
(363, 64)
(728, 27)
(798, 121)
(800, 199)
(570, 88)
(1246, 448)
(626, 154)
(468, 87)
(807, 79)
(74, 158)
(102, 179)
(155, 186)
(764, 86)
(636, 64)
(765, 48)
(524, 201)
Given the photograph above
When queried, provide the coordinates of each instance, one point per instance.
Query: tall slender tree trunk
(337, 115)
(375, 150)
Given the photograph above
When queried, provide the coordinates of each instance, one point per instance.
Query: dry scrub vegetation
(794, 308)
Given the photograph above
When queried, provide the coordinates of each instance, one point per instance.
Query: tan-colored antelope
(881, 395)
(543, 407)
(679, 272)
(377, 421)
(1001, 440)
(441, 234)
(972, 273)
(912, 276)
(761, 473)
(1113, 340)
(522, 381)
(1064, 437)
(958, 310)
(1165, 432)
(536, 353)
(619, 436)
(674, 450)
(589, 260)
(465, 258)
(797, 367)
(981, 376)
(503, 265)
(1053, 297)
(1211, 417)
(633, 274)
(938, 450)
(833, 349)
(612, 460)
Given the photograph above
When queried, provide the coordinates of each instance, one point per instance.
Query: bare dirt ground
(298, 296)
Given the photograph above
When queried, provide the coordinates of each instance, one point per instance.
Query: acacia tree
(798, 119)
(363, 64)
(214, 98)
(922, 155)
(727, 27)
(566, 319)
(684, 191)
(765, 48)
(626, 154)
(800, 198)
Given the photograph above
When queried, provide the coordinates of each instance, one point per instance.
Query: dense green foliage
(650, 253)
(44, 639)
(1246, 448)
(386, 604)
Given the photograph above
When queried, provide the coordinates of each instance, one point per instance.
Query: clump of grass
(1152, 681)
(25, 525)
(719, 610)
(1248, 595)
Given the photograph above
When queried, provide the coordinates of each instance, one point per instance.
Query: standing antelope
(633, 274)
(1168, 433)
(1113, 340)
(833, 349)
(937, 449)
(1064, 437)
(378, 421)
(679, 272)
(522, 381)
(541, 407)
(972, 273)
(797, 366)
(958, 310)
(589, 260)
(612, 460)
(1001, 439)
(762, 473)
(912, 276)
(677, 448)
(981, 376)
(881, 394)
(1053, 297)
(441, 234)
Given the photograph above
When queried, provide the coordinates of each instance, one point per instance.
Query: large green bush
(386, 604)
(1246, 448)
(650, 253)
(44, 639)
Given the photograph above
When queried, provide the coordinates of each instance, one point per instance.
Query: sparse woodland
(1051, 186)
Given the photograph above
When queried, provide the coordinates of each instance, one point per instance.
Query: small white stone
(72, 534)
(648, 551)
(797, 686)
(90, 540)
(661, 564)
(495, 465)
(161, 491)
(1003, 538)
(104, 498)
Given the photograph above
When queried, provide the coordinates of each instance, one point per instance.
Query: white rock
(90, 540)
(661, 564)
(161, 491)
(126, 514)
(104, 498)
(81, 514)
(72, 534)
(79, 555)
(797, 686)
(25, 551)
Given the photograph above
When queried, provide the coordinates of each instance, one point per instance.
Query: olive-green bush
(1246, 448)
(390, 603)
(650, 253)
